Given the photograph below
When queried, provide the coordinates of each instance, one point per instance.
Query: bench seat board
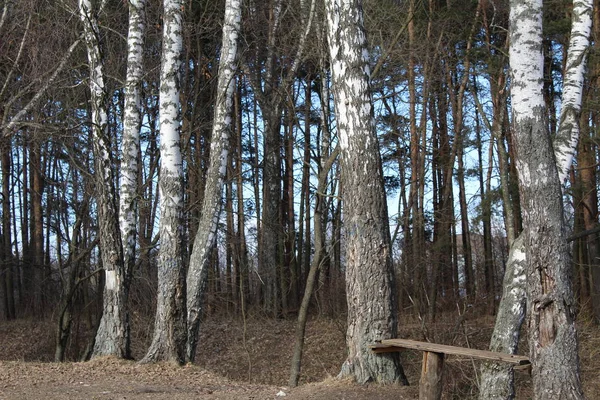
(389, 345)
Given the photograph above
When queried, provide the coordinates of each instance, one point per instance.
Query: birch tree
(370, 282)
(497, 380)
(132, 120)
(219, 152)
(551, 302)
(112, 335)
(168, 343)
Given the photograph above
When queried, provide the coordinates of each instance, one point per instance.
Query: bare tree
(112, 336)
(550, 306)
(168, 343)
(497, 381)
(370, 281)
(132, 120)
(219, 153)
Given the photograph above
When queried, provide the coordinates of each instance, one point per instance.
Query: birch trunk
(370, 282)
(168, 343)
(132, 120)
(511, 311)
(551, 303)
(211, 206)
(567, 137)
(497, 379)
(112, 335)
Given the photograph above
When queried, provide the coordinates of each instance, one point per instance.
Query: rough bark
(497, 379)
(132, 120)
(211, 206)
(567, 136)
(551, 303)
(168, 343)
(370, 281)
(112, 335)
(568, 133)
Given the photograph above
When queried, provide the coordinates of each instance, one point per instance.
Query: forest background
(439, 80)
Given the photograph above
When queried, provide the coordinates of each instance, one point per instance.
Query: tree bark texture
(112, 335)
(168, 343)
(432, 374)
(132, 120)
(565, 142)
(215, 175)
(508, 323)
(497, 379)
(551, 303)
(370, 281)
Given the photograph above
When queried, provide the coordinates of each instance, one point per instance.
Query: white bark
(168, 343)
(565, 142)
(132, 120)
(211, 207)
(112, 337)
(497, 381)
(370, 282)
(550, 307)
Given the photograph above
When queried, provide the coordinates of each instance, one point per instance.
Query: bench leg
(430, 386)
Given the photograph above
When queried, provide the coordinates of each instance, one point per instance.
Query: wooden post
(430, 385)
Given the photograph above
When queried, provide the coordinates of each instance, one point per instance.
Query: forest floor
(248, 361)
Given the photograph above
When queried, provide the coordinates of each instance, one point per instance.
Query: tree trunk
(486, 208)
(497, 379)
(320, 253)
(243, 284)
(7, 260)
(37, 227)
(551, 308)
(132, 120)
(112, 335)
(211, 206)
(370, 281)
(563, 151)
(289, 279)
(168, 343)
(26, 271)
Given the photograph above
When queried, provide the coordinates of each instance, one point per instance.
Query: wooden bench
(430, 385)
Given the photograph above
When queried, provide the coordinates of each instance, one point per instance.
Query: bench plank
(388, 345)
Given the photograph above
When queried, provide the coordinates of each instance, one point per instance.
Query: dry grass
(259, 353)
